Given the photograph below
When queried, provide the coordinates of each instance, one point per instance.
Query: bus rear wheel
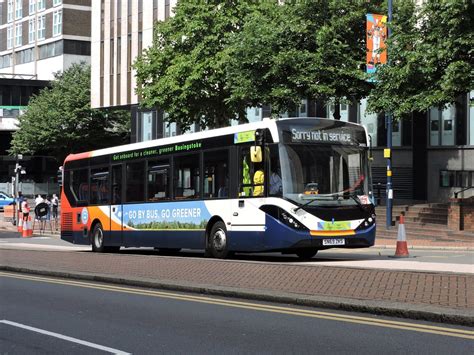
(218, 241)
(306, 254)
(98, 239)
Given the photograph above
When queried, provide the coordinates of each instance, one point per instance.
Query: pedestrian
(55, 206)
(38, 200)
(25, 209)
(49, 203)
(19, 201)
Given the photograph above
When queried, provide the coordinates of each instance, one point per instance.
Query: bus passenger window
(135, 182)
(99, 186)
(186, 177)
(157, 180)
(116, 184)
(79, 185)
(216, 174)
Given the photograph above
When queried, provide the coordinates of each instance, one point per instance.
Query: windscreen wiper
(304, 205)
(356, 199)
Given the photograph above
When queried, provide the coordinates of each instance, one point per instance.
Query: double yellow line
(459, 333)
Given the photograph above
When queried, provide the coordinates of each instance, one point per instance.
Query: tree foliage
(184, 71)
(60, 121)
(431, 52)
(308, 49)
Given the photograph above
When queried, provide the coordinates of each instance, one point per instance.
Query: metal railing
(461, 191)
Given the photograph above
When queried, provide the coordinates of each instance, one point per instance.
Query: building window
(18, 9)
(146, 125)
(81, 48)
(57, 2)
(57, 22)
(51, 50)
(41, 27)
(18, 35)
(5, 61)
(369, 121)
(25, 56)
(32, 31)
(456, 178)
(41, 5)
(442, 123)
(169, 129)
(32, 6)
(9, 37)
(10, 11)
(344, 112)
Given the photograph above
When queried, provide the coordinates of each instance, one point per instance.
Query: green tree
(431, 54)
(308, 49)
(60, 121)
(184, 71)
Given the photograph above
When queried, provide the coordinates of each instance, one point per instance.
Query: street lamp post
(18, 171)
(388, 155)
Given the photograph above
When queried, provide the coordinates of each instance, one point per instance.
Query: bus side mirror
(256, 154)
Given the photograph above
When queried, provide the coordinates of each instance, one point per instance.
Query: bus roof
(271, 124)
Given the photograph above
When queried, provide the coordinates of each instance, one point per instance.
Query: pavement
(440, 295)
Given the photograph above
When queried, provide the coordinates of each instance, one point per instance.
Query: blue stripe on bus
(277, 236)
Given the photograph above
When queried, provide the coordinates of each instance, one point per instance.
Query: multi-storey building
(126, 28)
(37, 39)
(41, 37)
(433, 154)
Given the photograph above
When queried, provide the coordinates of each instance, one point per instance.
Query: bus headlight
(290, 221)
(283, 216)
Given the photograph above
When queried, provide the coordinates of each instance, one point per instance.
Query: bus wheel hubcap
(98, 238)
(219, 240)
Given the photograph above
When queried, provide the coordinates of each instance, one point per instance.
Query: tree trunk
(337, 110)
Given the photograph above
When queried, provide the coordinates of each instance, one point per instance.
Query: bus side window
(186, 177)
(116, 184)
(135, 182)
(99, 186)
(79, 185)
(158, 180)
(216, 174)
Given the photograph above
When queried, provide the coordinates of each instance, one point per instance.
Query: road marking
(453, 332)
(64, 337)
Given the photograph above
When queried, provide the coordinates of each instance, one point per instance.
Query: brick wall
(77, 23)
(461, 214)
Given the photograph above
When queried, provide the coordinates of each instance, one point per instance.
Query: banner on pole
(376, 30)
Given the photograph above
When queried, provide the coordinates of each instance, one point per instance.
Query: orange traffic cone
(402, 247)
(30, 229)
(20, 222)
(27, 232)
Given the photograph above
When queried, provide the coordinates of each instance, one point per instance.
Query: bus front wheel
(306, 254)
(218, 241)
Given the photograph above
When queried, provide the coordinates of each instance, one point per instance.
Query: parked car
(5, 200)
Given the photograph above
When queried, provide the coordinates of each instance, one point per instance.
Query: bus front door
(116, 210)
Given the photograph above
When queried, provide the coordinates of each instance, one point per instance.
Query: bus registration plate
(334, 241)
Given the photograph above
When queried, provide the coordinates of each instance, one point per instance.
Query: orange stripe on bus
(331, 233)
